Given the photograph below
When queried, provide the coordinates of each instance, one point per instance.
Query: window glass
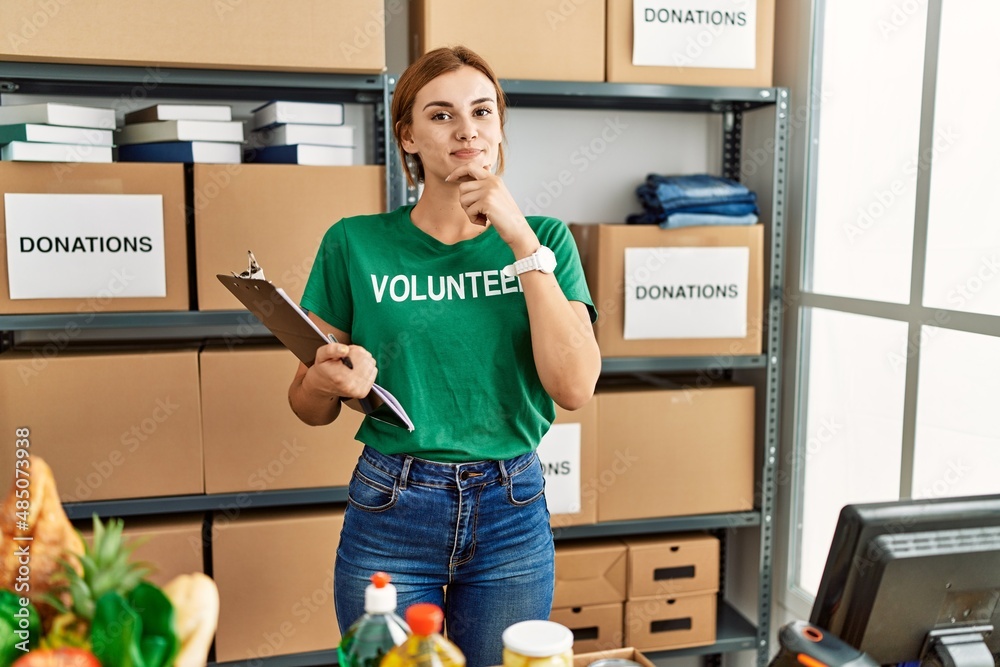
(963, 237)
(869, 125)
(853, 425)
(957, 449)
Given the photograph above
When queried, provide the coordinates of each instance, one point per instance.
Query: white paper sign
(79, 246)
(559, 452)
(695, 33)
(686, 292)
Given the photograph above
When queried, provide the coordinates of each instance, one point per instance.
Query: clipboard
(292, 326)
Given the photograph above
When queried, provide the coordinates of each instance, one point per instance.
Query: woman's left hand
(487, 201)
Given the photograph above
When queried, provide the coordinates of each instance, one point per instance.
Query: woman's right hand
(329, 375)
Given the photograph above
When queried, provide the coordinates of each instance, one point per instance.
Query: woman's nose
(467, 130)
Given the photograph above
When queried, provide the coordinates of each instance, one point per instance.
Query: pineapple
(106, 566)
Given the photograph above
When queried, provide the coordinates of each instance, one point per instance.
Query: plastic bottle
(425, 647)
(377, 631)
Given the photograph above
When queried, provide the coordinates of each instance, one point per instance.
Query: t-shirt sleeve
(328, 289)
(569, 270)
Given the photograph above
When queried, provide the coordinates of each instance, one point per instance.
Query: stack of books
(300, 133)
(51, 132)
(181, 133)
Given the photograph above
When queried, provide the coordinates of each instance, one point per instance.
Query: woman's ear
(406, 138)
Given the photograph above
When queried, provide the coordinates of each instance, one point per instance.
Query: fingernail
(343, 349)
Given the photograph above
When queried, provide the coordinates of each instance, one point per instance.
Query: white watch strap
(529, 263)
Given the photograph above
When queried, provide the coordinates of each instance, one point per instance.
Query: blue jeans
(481, 529)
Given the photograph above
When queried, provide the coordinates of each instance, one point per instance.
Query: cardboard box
(280, 212)
(688, 50)
(306, 35)
(568, 453)
(274, 571)
(110, 425)
(171, 545)
(584, 659)
(556, 40)
(595, 628)
(672, 564)
(590, 572)
(253, 440)
(602, 251)
(681, 621)
(110, 179)
(674, 452)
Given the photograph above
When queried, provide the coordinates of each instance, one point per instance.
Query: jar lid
(538, 639)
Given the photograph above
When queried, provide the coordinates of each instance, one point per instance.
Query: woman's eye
(441, 115)
(483, 111)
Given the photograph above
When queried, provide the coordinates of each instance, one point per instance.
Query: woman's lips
(466, 153)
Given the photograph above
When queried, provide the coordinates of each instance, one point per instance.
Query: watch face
(546, 260)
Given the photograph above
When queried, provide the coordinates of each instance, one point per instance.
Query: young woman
(477, 319)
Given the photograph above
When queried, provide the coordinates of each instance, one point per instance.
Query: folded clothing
(663, 196)
(677, 220)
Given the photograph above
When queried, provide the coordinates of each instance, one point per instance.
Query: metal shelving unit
(734, 632)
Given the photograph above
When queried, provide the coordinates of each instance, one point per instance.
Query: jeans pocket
(370, 495)
(527, 485)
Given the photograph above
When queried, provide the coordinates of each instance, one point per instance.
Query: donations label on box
(85, 245)
(707, 33)
(559, 452)
(686, 292)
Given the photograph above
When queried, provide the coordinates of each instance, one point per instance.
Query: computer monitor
(916, 580)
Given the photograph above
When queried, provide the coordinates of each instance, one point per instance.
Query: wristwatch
(543, 260)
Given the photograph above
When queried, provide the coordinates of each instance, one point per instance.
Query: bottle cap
(538, 639)
(380, 595)
(424, 618)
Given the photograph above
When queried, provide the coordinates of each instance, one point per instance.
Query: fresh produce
(135, 630)
(196, 615)
(106, 567)
(95, 607)
(58, 657)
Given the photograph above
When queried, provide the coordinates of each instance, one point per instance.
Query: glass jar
(537, 644)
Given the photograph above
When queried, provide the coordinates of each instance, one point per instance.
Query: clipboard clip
(253, 272)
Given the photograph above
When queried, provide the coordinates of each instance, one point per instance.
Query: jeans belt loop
(504, 477)
(405, 472)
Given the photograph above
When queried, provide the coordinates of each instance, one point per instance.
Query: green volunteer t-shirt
(448, 330)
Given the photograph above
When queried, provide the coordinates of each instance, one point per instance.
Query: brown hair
(426, 68)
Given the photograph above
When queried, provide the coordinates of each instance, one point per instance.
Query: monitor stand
(961, 647)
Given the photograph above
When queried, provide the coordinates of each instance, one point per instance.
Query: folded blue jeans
(678, 220)
(693, 186)
(481, 529)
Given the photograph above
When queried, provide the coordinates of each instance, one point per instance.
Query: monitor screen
(898, 572)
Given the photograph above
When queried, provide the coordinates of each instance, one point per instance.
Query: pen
(346, 360)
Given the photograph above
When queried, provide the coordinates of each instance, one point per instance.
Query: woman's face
(455, 122)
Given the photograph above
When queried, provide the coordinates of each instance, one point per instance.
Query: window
(899, 342)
